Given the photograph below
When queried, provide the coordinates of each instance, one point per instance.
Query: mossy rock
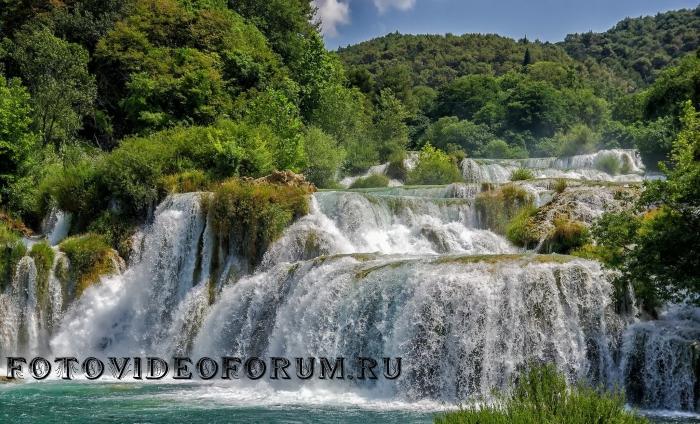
(11, 251)
(43, 256)
(253, 214)
(90, 257)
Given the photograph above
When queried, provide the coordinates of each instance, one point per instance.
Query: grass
(11, 251)
(43, 256)
(521, 174)
(567, 235)
(520, 230)
(541, 396)
(253, 215)
(496, 208)
(185, 182)
(560, 185)
(90, 258)
(371, 181)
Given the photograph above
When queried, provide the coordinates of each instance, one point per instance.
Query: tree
(390, 129)
(56, 73)
(434, 167)
(323, 158)
(16, 137)
(466, 96)
(658, 251)
(450, 131)
(527, 59)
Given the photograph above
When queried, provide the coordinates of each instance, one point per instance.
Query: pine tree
(527, 59)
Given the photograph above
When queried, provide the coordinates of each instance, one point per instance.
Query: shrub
(608, 163)
(434, 167)
(323, 157)
(496, 208)
(396, 168)
(499, 149)
(11, 251)
(566, 236)
(90, 258)
(560, 185)
(520, 230)
(578, 140)
(371, 181)
(521, 174)
(254, 214)
(541, 396)
(185, 182)
(43, 256)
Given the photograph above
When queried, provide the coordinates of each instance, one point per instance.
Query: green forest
(106, 106)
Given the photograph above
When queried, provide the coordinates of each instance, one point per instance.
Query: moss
(11, 251)
(117, 230)
(90, 258)
(521, 174)
(371, 181)
(566, 236)
(496, 208)
(43, 256)
(185, 182)
(362, 274)
(520, 229)
(254, 214)
(396, 168)
(493, 259)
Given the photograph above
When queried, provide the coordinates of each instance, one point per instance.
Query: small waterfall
(661, 361)
(597, 166)
(20, 330)
(56, 226)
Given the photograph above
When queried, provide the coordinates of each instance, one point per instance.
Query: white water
(390, 272)
(580, 167)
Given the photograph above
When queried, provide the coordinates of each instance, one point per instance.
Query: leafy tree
(467, 135)
(16, 137)
(434, 167)
(465, 96)
(658, 252)
(536, 107)
(56, 73)
(390, 130)
(324, 158)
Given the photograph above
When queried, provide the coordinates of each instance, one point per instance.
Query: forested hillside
(638, 48)
(491, 96)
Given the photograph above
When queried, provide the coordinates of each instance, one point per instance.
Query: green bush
(323, 158)
(520, 230)
(579, 140)
(560, 185)
(541, 396)
(434, 167)
(521, 174)
(499, 149)
(11, 251)
(255, 214)
(496, 208)
(608, 163)
(566, 236)
(371, 181)
(90, 258)
(43, 256)
(396, 169)
(185, 182)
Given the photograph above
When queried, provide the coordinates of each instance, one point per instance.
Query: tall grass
(541, 396)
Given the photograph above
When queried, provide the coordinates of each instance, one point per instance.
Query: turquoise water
(58, 402)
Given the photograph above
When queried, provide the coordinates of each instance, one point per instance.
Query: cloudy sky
(350, 21)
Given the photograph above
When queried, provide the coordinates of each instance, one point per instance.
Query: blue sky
(351, 21)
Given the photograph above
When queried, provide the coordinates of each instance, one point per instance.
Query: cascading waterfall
(626, 162)
(396, 272)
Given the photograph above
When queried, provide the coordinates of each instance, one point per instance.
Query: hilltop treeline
(106, 106)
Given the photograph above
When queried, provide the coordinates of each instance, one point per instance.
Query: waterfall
(393, 272)
(617, 165)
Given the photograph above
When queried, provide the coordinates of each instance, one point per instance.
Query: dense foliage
(541, 396)
(638, 48)
(657, 249)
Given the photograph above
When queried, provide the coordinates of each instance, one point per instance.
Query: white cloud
(332, 13)
(384, 5)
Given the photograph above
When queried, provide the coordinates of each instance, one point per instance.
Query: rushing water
(398, 272)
